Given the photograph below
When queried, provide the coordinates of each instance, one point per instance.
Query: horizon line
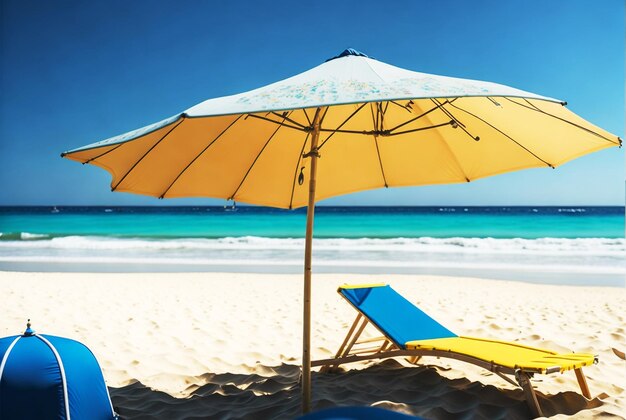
(317, 205)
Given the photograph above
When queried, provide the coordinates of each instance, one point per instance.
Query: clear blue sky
(74, 72)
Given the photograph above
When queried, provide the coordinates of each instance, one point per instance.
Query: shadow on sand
(274, 393)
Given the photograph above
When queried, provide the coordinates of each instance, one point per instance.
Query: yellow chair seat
(508, 354)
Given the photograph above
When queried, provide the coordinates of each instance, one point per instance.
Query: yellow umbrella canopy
(350, 124)
(380, 126)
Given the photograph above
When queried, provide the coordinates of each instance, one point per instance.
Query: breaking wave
(542, 246)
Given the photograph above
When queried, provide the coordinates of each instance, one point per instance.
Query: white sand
(228, 345)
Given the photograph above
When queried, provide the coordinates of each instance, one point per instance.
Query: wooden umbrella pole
(308, 244)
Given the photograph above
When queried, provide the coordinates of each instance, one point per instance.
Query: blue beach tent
(357, 413)
(46, 377)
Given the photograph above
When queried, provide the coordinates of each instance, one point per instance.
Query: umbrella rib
(322, 118)
(102, 154)
(504, 134)
(198, 155)
(288, 119)
(324, 115)
(430, 127)
(531, 104)
(382, 116)
(307, 117)
(448, 113)
(377, 119)
(146, 154)
(537, 109)
(232, 196)
(374, 120)
(380, 162)
(456, 120)
(384, 133)
(365, 133)
(337, 130)
(406, 108)
(295, 174)
(277, 122)
(391, 130)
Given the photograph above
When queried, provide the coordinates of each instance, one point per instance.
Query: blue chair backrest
(396, 317)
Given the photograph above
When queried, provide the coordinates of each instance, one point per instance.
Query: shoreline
(533, 276)
(171, 343)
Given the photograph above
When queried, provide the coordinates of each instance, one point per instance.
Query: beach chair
(408, 331)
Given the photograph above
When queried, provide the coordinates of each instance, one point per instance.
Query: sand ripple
(275, 393)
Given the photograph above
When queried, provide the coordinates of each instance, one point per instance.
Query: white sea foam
(610, 247)
(27, 236)
(581, 255)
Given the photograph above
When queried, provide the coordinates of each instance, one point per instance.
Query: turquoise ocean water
(548, 244)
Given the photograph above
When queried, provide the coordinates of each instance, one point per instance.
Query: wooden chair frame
(349, 352)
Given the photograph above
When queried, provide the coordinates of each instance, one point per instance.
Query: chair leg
(343, 350)
(531, 398)
(355, 337)
(582, 381)
(413, 359)
(345, 341)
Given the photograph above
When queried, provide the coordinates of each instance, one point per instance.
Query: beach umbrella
(352, 123)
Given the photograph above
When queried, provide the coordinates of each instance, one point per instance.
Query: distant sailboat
(232, 207)
(55, 210)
